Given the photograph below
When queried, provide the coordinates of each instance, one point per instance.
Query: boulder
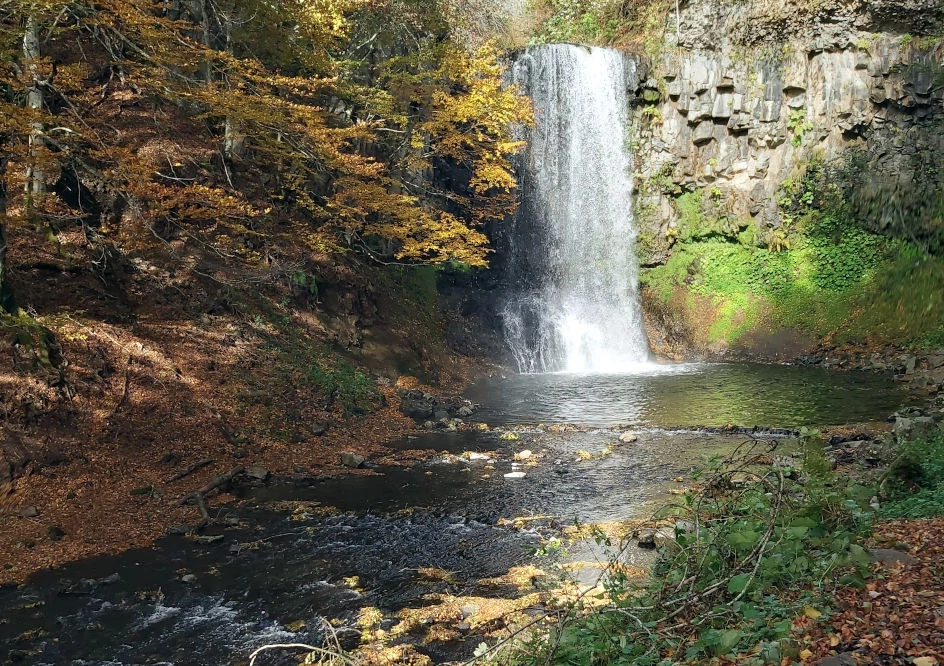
(420, 409)
(911, 429)
(257, 472)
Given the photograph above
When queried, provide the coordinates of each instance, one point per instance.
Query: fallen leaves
(898, 618)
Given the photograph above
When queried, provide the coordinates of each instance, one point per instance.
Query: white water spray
(572, 264)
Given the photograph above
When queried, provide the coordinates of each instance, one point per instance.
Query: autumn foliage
(223, 123)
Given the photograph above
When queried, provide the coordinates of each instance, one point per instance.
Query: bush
(756, 547)
(914, 484)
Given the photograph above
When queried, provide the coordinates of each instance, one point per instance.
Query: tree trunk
(35, 178)
(233, 139)
(6, 294)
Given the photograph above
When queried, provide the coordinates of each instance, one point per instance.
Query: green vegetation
(818, 272)
(606, 22)
(798, 125)
(755, 548)
(915, 481)
(338, 380)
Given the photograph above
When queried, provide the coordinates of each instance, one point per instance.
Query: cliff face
(743, 97)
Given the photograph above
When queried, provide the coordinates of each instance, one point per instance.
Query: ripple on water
(690, 395)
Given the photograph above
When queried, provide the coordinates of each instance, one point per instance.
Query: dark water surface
(290, 560)
(688, 395)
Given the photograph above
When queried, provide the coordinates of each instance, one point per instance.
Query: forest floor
(111, 383)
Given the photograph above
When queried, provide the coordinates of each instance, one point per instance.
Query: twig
(124, 393)
(200, 464)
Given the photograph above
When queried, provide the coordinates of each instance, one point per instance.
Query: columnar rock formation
(743, 95)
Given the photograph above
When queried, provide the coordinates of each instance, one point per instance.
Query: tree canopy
(225, 121)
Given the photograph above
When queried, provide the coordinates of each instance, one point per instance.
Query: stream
(289, 556)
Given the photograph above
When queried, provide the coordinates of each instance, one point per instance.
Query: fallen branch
(200, 464)
(301, 646)
(198, 496)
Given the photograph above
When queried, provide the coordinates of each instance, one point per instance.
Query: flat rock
(628, 437)
(891, 556)
(208, 539)
(29, 512)
(515, 475)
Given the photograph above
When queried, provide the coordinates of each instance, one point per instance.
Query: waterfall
(570, 258)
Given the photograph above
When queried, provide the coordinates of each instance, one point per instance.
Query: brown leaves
(899, 617)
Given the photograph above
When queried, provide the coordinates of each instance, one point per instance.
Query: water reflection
(692, 395)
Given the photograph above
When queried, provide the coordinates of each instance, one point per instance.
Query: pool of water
(692, 395)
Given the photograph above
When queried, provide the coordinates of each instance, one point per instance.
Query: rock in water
(628, 437)
(352, 460)
(515, 475)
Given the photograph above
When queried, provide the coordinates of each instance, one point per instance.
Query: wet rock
(84, 587)
(353, 460)
(911, 429)
(55, 533)
(207, 539)
(110, 580)
(466, 411)
(29, 512)
(651, 539)
(646, 539)
(188, 578)
(319, 428)
(628, 437)
(257, 472)
(417, 408)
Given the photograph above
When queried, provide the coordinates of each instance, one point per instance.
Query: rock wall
(743, 95)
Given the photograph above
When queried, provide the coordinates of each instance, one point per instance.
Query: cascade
(570, 257)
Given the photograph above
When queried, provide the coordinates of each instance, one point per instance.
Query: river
(290, 557)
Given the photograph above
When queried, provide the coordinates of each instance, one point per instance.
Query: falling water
(571, 255)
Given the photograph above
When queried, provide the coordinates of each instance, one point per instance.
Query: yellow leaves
(811, 612)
